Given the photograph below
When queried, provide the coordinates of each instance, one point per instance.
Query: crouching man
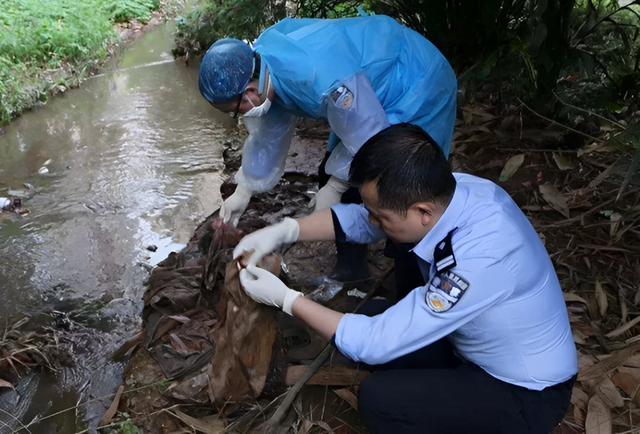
(483, 345)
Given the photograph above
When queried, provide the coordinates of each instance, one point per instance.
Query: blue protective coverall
(361, 74)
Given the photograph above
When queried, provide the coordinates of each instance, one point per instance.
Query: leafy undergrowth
(43, 50)
(582, 194)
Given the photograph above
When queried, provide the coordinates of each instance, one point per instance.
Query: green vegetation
(55, 43)
(246, 19)
(550, 54)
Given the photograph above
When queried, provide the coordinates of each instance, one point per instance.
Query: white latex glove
(266, 240)
(235, 205)
(330, 194)
(266, 288)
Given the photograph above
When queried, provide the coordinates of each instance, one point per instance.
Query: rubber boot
(351, 262)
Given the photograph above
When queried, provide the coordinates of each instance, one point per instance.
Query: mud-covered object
(244, 338)
(203, 330)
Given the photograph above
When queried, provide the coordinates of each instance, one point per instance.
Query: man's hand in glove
(266, 288)
(235, 205)
(266, 240)
(330, 194)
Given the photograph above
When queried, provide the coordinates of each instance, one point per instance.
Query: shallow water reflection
(132, 159)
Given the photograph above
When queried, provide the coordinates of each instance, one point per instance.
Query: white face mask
(261, 110)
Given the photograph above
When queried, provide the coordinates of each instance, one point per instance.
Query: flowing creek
(131, 159)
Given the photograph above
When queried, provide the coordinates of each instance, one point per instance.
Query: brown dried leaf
(578, 415)
(598, 417)
(306, 425)
(601, 297)
(623, 328)
(585, 361)
(5, 384)
(579, 398)
(111, 411)
(563, 162)
(511, 167)
(348, 396)
(634, 372)
(572, 296)
(578, 337)
(633, 361)
(476, 116)
(216, 426)
(554, 198)
(624, 310)
(628, 383)
(609, 394)
(615, 218)
(477, 138)
(612, 362)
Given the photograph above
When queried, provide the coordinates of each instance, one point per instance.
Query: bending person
(361, 74)
(483, 344)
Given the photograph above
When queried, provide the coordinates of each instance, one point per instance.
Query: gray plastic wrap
(265, 149)
(355, 115)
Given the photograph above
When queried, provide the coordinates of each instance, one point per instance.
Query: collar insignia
(443, 254)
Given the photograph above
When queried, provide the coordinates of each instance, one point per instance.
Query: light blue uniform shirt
(506, 312)
(361, 74)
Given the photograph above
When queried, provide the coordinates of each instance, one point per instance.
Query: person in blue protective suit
(361, 74)
(483, 344)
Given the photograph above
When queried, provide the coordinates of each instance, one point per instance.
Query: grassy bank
(47, 46)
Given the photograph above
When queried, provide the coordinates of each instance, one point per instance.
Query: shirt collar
(448, 221)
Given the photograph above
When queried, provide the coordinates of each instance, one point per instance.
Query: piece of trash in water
(43, 170)
(355, 292)
(11, 204)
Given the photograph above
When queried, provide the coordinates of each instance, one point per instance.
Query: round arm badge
(444, 291)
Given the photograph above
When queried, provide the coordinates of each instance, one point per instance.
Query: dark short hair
(407, 166)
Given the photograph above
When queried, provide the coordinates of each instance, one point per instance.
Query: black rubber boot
(351, 263)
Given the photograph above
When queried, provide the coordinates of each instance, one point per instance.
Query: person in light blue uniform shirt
(483, 344)
(361, 74)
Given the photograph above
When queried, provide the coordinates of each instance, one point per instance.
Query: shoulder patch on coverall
(342, 96)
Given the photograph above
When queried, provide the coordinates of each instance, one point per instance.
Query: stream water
(131, 159)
